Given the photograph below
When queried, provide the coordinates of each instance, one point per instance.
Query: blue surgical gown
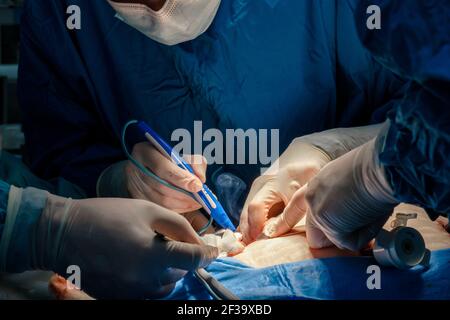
(414, 42)
(296, 66)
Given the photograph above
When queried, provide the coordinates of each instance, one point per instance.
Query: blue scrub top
(414, 42)
(296, 66)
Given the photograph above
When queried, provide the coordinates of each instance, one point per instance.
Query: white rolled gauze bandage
(228, 242)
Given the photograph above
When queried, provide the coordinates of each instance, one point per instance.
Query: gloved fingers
(360, 238)
(199, 164)
(259, 208)
(294, 176)
(141, 186)
(315, 237)
(291, 215)
(187, 256)
(243, 222)
(166, 169)
(242, 229)
(169, 198)
(197, 220)
(355, 241)
(173, 226)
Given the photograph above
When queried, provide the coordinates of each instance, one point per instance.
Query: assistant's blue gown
(414, 42)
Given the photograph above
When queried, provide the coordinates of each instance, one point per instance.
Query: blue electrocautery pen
(205, 197)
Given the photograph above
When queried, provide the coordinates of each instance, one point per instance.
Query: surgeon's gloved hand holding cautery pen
(346, 204)
(303, 159)
(118, 244)
(125, 180)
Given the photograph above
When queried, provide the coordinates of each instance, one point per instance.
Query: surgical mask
(176, 22)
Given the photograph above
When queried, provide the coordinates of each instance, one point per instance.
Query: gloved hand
(124, 180)
(115, 242)
(350, 200)
(302, 160)
(273, 190)
(347, 203)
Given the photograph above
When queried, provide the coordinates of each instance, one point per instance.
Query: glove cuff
(18, 239)
(49, 232)
(337, 142)
(375, 181)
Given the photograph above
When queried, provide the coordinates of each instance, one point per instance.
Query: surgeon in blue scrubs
(348, 197)
(351, 198)
(296, 66)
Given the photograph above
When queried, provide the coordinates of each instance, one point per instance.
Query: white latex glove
(350, 200)
(346, 204)
(115, 242)
(273, 190)
(303, 159)
(125, 180)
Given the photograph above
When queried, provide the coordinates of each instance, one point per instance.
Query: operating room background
(10, 115)
(31, 284)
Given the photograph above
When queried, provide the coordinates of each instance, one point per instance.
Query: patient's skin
(291, 248)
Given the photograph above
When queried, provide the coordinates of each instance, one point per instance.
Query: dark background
(10, 118)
